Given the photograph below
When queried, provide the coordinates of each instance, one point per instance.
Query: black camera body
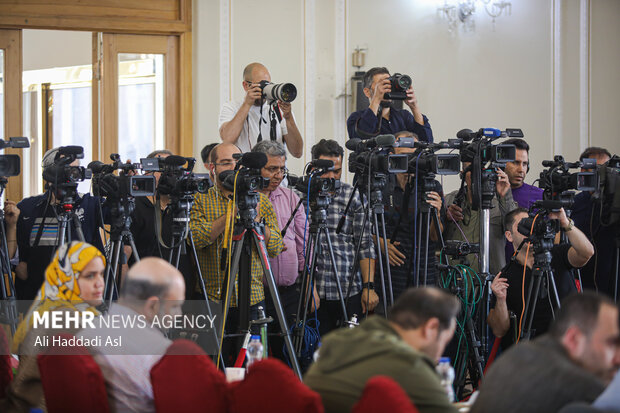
(316, 189)
(399, 85)
(10, 164)
(176, 179)
(122, 186)
(455, 248)
(557, 181)
(285, 92)
(62, 177)
(376, 155)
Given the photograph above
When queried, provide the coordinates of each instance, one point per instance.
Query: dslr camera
(285, 92)
(399, 84)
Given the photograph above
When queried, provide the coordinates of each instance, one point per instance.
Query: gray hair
(271, 148)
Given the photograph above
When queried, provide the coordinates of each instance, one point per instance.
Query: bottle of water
(254, 351)
(446, 375)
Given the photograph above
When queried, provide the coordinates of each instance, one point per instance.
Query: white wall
(526, 71)
(45, 49)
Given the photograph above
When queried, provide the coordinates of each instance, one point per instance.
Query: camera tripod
(248, 235)
(8, 303)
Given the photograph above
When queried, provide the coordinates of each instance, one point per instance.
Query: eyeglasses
(275, 169)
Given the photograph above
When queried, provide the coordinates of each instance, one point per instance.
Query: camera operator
(381, 117)
(362, 295)
(463, 223)
(509, 288)
(246, 122)
(143, 228)
(523, 194)
(286, 266)
(399, 249)
(209, 216)
(599, 273)
(37, 230)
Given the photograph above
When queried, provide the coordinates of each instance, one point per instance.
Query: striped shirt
(209, 207)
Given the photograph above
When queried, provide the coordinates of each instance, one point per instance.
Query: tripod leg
(116, 256)
(380, 257)
(426, 242)
(306, 293)
(78, 226)
(259, 242)
(335, 268)
(418, 255)
(387, 261)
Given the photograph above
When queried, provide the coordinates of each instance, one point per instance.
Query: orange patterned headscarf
(60, 288)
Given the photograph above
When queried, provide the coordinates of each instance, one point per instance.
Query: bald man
(132, 340)
(253, 119)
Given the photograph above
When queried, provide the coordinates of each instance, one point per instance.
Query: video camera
(608, 191)
(424, 160)
(538, 228)
(455, 248)
(247, 175)
(177, 180)
(285, 92)
(376, 155)
(319, 189)
(557, 181)
(126, 184)
(399, 85)
(10, 164)
(62, 177)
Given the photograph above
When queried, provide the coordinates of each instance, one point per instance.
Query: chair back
(383, 394)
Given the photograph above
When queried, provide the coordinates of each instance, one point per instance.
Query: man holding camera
(255, 118)
(381, 117)
(37, 225)
(599, 273)
(211, 214)
(510, 286)
(360, 295)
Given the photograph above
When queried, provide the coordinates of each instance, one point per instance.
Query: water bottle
(446, 375)
(254, 351)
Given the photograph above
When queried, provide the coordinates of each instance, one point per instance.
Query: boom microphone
(253, 160)
(174, 160)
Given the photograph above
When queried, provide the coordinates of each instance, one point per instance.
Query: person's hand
(254, 93)
(285, 108)
(499, 286)
(397, 258)
(11, 212)
(370, 299)
(455, 212)
(434, 200)
(503, 183)
(131, 172)
(412, 100)
(316, 302)
(561, 216)
(381, 88)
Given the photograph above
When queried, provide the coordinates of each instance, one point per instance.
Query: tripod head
(540, 231)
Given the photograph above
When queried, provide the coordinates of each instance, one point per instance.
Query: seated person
(571, 363)
(508, 286)
(152, 288)
(405, 347)
(73, 282)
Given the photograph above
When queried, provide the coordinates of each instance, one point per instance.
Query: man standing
(209, 217)
(381, 117)
(405, 347)
(253, 119)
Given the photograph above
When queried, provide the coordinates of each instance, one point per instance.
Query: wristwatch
(369, 285)
(571, 224)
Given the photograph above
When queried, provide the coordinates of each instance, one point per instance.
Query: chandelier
(463, 11)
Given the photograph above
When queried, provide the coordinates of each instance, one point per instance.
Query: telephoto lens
(285, 92)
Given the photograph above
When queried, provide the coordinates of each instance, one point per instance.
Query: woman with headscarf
(73, 282)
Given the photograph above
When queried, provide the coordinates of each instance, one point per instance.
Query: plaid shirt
(343, 245)
(207, 208)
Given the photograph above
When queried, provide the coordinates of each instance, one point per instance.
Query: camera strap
(365, 135)
(260, 121)
(273, 122)
(42, 224)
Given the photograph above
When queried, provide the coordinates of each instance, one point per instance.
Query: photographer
(254, 119)
(400, 249)
(143, 229)
(362, 295)
(286, 266)
(37, 228)
(509, 288)
(599, 273)
(209, 217)
(382, 118)
(463, 223)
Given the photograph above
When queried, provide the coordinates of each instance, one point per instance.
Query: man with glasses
(286, 266)
(210, 214)
(252, 120)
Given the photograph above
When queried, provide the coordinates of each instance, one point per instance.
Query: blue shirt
(87, 208)
(399, 120)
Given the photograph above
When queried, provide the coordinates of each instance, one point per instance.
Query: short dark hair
(204, 153)
(326, 147)
(592, 151)
(418, 305)
(510, 217)
(157, 152)
(367, 80)
(581, 310)
(519, 143)
(141, 290)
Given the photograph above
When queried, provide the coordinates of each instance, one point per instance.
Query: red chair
(6, 372)
(271, 387)
(185, 379)
(72, 381)
(383, 394)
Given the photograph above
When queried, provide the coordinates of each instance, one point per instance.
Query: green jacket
(349, 357)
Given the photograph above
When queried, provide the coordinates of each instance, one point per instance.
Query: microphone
(322, 164)
(358, 145)
(97, 167)
(253, 160)
(466, 134)
(174, 160)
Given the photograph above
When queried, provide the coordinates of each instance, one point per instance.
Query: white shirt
(249, 133)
